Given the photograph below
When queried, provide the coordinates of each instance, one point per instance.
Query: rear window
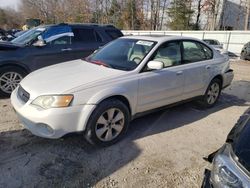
(212, 42)
(194, 52)
(114, 34)
(85, 35)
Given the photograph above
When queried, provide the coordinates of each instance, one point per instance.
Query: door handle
(208, 67)
(179, 73)
(66, 49)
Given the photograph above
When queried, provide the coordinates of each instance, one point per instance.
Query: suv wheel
(243, 55)
(108, 123)
(10, 77)
(212, 93)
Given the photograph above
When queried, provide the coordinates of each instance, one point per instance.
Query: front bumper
(54, 122)
(206, 180)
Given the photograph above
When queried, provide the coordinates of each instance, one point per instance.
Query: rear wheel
(10, 77)
(212, 93)
(108, 123)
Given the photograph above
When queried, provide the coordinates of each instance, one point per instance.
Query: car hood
(240, 139)
(58, 79)
(6, 45)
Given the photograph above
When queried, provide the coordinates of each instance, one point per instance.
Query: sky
(9, 3)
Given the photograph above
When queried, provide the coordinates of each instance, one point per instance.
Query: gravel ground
(163, 149)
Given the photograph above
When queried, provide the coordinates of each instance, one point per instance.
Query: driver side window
(169, 54)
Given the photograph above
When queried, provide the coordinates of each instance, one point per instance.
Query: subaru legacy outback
(99, 96)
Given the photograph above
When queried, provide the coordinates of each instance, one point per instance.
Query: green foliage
(95, 17)
(180, 14)
(115, 14)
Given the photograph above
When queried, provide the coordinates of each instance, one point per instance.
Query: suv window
(114, 34)
(169, 54)
(61, 41)
(211, 42)
(194, 52)
(85, 35)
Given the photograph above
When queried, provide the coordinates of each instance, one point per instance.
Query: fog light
(46, 129)
(228, 178)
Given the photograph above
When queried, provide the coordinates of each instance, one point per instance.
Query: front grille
(22, 94)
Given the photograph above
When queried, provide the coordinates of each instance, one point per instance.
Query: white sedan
(100, 95)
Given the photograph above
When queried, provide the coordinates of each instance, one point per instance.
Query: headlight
(224, 177)
(225, 173)
(53, 101)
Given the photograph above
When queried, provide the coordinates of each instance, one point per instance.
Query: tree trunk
(198, 15)
(247, 15)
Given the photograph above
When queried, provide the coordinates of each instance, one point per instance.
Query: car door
(162, 87)
(197, 64)
(85, 42)
(50, 54)
(57, 39)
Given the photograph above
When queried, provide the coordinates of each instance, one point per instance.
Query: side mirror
(39, 43)
(96, 51)
(155, 65)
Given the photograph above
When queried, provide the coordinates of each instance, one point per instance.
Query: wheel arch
(83, 122)
(120, 93)
(121, 98)
(219, 77)
(15, 64)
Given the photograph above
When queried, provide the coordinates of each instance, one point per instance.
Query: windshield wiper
(122, 68)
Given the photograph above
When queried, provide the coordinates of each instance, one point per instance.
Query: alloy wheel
(9, 81)
(213, 93)
(110, 124)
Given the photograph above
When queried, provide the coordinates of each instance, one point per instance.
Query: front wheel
(10, 77)
(212, 94)
(108, 123)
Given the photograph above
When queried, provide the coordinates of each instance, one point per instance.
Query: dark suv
(47, 45)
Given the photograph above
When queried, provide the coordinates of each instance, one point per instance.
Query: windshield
(29, 36)
(122, 54)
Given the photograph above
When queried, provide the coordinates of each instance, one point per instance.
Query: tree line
(124, 14)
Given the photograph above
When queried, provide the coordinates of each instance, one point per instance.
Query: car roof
(159, 38)
(210, 40)
(80, 24)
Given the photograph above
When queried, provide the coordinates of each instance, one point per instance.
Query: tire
(212, 94)
(10, 77)
(243, 56)
(102, 128)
